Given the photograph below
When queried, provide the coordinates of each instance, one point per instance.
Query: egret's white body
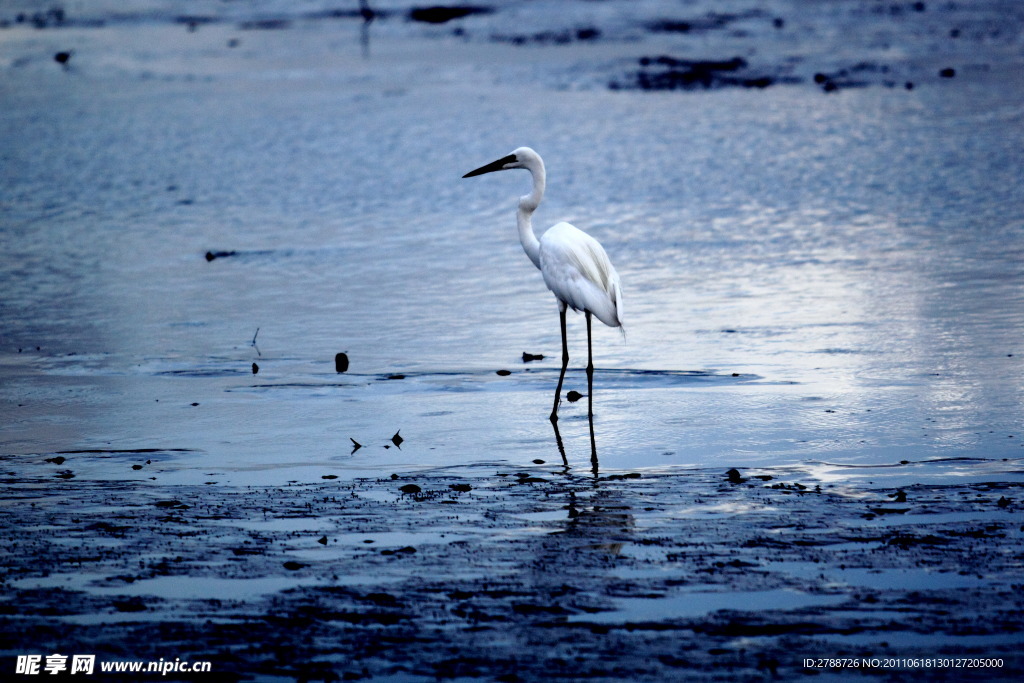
(574, 265)
(576, 268)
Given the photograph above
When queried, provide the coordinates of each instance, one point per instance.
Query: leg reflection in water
(593, 444)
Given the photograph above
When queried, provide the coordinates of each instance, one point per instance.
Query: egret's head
(524, 157)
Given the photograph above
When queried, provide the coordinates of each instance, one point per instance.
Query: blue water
(809, 278)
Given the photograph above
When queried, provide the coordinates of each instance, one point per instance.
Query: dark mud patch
(552, 37)
(712, 21)
(621, 577)
(669, 73)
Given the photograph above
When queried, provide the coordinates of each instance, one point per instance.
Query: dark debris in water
(606, 573)
(438, 14)
(559, 37)
(340, 362)
(670, 73)
(709, 22)
(213, 255)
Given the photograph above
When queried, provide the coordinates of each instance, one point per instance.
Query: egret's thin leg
(590, 370)
(565, 364)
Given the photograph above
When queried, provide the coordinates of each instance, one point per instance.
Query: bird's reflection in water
(593, 444)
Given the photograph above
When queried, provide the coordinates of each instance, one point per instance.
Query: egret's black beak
(493, 166)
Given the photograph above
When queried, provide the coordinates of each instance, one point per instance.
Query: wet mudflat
(520, 575)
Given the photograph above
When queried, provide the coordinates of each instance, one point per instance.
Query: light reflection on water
(866, 289)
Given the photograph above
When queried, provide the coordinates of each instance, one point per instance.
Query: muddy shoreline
(517, 575)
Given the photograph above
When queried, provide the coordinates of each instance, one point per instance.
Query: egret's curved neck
(527, 205)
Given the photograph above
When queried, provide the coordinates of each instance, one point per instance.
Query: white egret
(574, 265)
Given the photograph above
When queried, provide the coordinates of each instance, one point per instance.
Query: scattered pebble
(530, 357)
(255, 368)
(397, 440)
(340, 362)
(410, 488)
(573, 396)
(504, 373)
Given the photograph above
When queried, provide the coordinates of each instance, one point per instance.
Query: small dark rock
(340, 362)
(948, 72)
(461, 488)
(255, 368)
(59, 460)
(62, 58)
(292, 566)
(322, 540)
(733, 475)
(1003, 502)
(397, 440)
(329, 476)
(355, 445)
(530, 357)
(573, 396)
(136, 467)
(504, 373)
(410, 488)
(441, 15)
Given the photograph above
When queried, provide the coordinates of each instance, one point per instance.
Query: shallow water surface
(808, 278)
